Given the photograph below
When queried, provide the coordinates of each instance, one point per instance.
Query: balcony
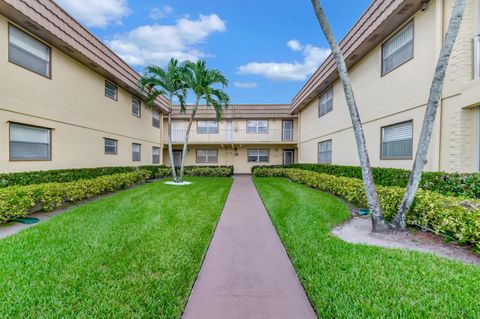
(273, 136)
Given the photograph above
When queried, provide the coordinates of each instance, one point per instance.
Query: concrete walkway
(246, 272)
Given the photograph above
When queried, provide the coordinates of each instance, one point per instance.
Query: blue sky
(267, 48)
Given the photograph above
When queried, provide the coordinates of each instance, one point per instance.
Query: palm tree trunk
(187, 135)
(430, 114)
(170, 148)
(378, 222)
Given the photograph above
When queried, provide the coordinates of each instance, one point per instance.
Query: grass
(134, 254)
(357, 281)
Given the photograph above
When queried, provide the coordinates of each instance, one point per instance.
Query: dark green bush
(449, 184)
(209, 171)
(17, 201)
(451, 216)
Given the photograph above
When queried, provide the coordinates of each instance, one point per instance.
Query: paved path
(247, 273)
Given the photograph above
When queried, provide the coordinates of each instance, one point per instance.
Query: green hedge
(18, 201)
(209, 171)
(449, 184)
(450, 216)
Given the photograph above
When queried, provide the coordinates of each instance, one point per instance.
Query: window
(207, 156)
(397, 141)
(155, 155)
(155, 118)
(325, 152)
(136, 107)
(256, 127)
(258, 156)
(111, 146)
(29, 143)
(207, 127)
(111, 90)
(136, 152)
(28, 52)
(398, 50)
(325, 103)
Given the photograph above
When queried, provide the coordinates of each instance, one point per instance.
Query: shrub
(449, 184)
(210, 171)
(18, 201)
(454, 217)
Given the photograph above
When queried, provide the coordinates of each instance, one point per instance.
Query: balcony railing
(234, 137)
(476, 57)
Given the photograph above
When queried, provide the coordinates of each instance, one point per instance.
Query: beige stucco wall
(234, 156)
(402, 95)
(73, 104)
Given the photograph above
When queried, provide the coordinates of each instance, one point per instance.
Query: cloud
(160, 13)
(293, 71)
(95, 13)
(158, 43)
(246, 85)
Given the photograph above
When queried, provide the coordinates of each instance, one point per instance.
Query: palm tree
(378, 222)
(208, 85)
(168, 83)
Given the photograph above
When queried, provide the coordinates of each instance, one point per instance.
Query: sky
(266, 48)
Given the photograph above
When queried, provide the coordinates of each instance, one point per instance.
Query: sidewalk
(246, 272)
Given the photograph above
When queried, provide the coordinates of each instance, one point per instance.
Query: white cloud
(158, 43)
(246, 85)
(160, 13)
(96, 13)
(295, 45)
(289, 71)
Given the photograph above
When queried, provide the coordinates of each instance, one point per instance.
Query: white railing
(234, 136)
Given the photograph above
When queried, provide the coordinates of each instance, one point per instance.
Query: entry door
(229, 131)
(288, 157)
(287, 130)
(177, 158)
(178, 131)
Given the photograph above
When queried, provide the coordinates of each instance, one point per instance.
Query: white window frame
(208, 157)
(47, 59)
(136, 107)
(328, 152)
(408, 27)
(207, 127)
(383, 142)
(106, 140)
(154, 156)
(254, 127)
(257, 155)
(325, 103)
(48, 132)
(154, 119)
(139, 152)
(113, 88)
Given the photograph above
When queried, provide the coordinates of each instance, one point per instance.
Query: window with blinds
(110, 146)
(325, 103)
(397, 141)
(29, 143)
(325, 152)
(155, 119)
(258, 156)
(207, 127)
(398, 50)
(207, 156)
(155, 155)
(257, 126)
(136, 152)
(28, 52)
(136, 107)
(111, 90)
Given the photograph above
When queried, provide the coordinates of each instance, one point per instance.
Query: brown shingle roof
(257, 111)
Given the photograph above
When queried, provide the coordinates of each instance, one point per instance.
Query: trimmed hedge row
(449, 184)
(18, 201)
(450, 216)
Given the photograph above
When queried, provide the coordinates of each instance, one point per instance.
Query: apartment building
(391, 53)
(66, 100)
(247, 135)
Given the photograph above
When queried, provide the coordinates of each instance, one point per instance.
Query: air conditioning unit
(476, 57)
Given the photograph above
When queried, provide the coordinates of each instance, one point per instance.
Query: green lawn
(357, 281)
(134, 254)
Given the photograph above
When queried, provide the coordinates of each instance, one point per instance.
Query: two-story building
(391, 53)
(247, 135)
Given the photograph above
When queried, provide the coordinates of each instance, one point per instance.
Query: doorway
(177, 158)
(288, 157)
(287, 130)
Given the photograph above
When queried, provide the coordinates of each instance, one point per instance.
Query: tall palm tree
(207, 85)
(168, 83)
